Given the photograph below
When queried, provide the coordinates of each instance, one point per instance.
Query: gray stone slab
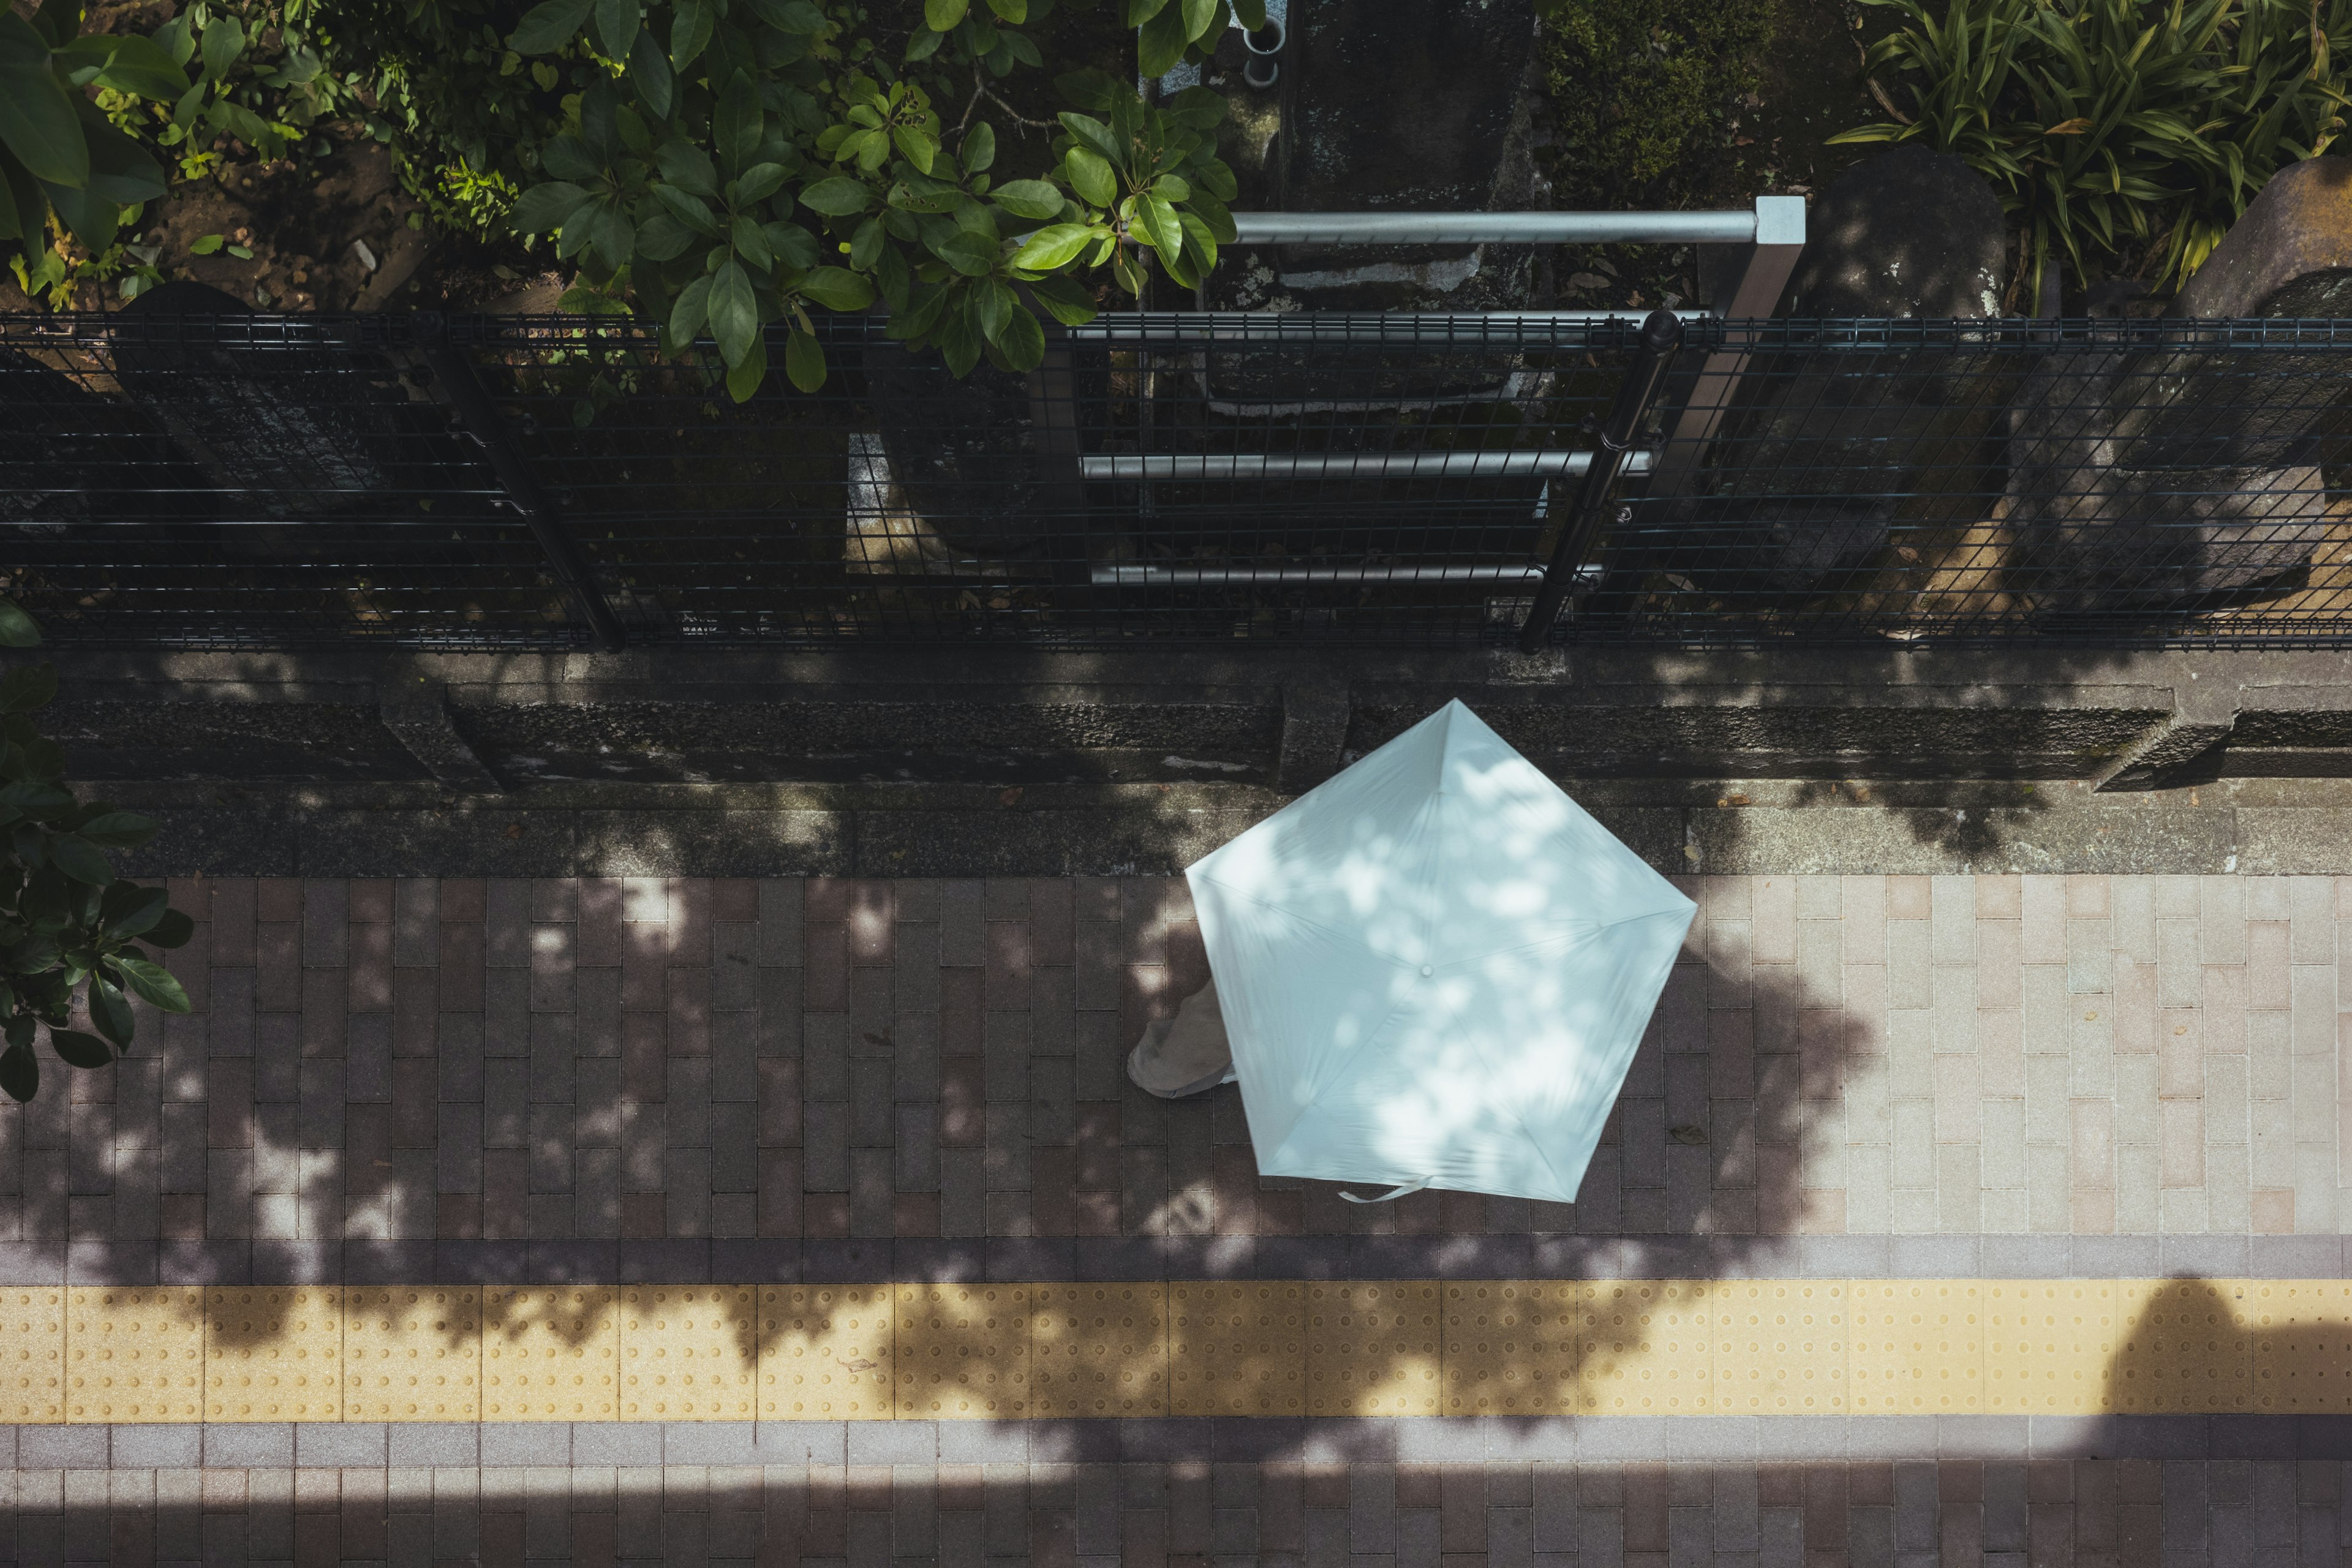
(1435, 1440)
(526, 1443)
(759, 1442)
(1840, 1256)
(1935, 1257)
(894, 1442)
(1713, 1439)
(249, 1444)
(984, 1442)
(1983, 1436)
(2027, 1256)
(2294, 1258)
(1890, 1437)
(1624, 1440)
(353, 1444)
(2116, 1257)
(158, 1447)
(2205, 1256)
(441, 1444)
(617, 1443)
(62, 1448)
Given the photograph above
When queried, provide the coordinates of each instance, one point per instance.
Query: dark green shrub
(1641, 91)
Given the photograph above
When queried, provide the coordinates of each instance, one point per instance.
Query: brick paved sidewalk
(692, 1080)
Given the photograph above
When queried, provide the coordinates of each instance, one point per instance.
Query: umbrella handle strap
(1392, 1193)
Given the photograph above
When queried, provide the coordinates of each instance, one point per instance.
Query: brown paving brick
(464, 899)
(1825, 1508)
(1646, 1489)
(915, 1213)
(644, 1216)
(825, 1215)
(962, 1016)
(458, 1217)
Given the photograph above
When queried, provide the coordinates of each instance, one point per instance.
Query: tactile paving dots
(1916, 1347)
(273, 1353)
(688, 1352)
(2301, 1333)
(1237, 1347)
(962, 1353)
(1513, 1348)
(1779, 1347)
(551, 1352)
(2180, 1349)
(2048, 1346)
(826, 1353)
(135, 1355)
(413, 1353)
(1372, 1349)
(1655, 1344)
(1099, 1350)
(32, 1353)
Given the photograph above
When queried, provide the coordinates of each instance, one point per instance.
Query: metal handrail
(1775, 220)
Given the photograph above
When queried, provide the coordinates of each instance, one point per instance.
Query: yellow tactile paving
(32, 1353)
(413, 1353)
(551, 1352)
(962, 1353)
(827, 1353)
(135, 1355)
(1373, 1347)
(2301, 1351)
(1002, 1351)
(1916, 1347)
(1779, 1347)
(1237, 1347)
(1098, 1350)
(689, 1353)
(1512, 1347)
(2180, 1350)
(273, 1353)
(2048, 1346)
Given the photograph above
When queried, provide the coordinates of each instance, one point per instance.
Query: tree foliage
(738, 161)
(70, 931)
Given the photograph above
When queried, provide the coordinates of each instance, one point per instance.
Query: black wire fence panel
(1393, 480)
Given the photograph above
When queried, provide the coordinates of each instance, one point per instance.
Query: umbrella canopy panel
(1435, 968)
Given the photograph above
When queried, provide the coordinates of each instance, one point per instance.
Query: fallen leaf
(1688, 1134)
(1010, 796)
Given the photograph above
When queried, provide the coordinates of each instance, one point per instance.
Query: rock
(1910, 233)
(2290, 255)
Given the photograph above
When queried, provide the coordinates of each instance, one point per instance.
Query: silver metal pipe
(1496, 227)
(1202, 576)
(1198, 467)
(1249, 326)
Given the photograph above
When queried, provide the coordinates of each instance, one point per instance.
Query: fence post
(1764, 273)
(1661, 337)
(481, 420)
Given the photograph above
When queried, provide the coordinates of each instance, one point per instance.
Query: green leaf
(616, 26)
(973, 255)
(649, 71)
(1065, 299)
(689, 210)
(1138, 12)
(1090, 177)
(17, 629)
(689, 30)
(734, 313)
(224, 45)
(1012, 12)
(549, 25)
(940, 16)
(750, 243)
(744, 379)
(687, 316)
(796, 16)
(1160, 42)
(38, 123)
(109, 1011)
(838, 196)
(173, 930)
(917, 147)
(129, 64)
(28, 686)
(20, 1074)
(1198, 15)
(120, 169)
(688, 168)
(1056, 246)
(758, 183)
(79, 1050)
(994, 304)
(83, 862)
(980, 149)
(1022, 341)
(837, 288)
(118, 829)
(154, 984)
(143, 910)
(805, 361)
(1028, 198)
(543, 209)
(1093, 133)
(736, 123)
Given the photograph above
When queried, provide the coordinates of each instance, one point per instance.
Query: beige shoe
(1188, 1054)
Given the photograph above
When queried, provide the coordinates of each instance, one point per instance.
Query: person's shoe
(1188, 1054)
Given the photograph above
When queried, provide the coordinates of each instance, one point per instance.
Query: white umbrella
(1435, 969)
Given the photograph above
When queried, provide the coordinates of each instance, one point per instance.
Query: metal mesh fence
(1393, 480)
